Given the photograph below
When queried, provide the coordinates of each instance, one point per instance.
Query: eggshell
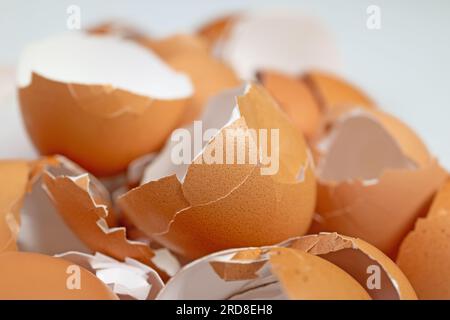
(424, 255)
(313, 100)
(101, 113)
(32, 276)
(13, 185)
(333, 91)
(295, 98)
(80, 221)
(279, 40)
(375, 178)
(183, 206)
(323, 266)
(216, 29)
(129, 279)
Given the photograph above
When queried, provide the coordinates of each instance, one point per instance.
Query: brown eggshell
(314, 99)
(233, 202)
(14, 177)
(333, 91)
(424, 254)
(176, 44)
(71, 196)
(129, 279)
(309, 267)
(32, 276)
(295, 98)
(394, 184)
(81, 202)
(99, 126)
(216, 29)
(307, 277)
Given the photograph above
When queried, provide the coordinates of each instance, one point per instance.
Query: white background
(405, 66)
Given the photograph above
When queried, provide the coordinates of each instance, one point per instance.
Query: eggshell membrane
(424, 254)
(13, 186)
(307, 277)
(32, 276)
(183, 221)
(295, 98)
(378, 212)
(208, 75)
(102, 129)
(330, 261)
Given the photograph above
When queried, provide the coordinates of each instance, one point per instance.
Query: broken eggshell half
(323, 266)
(99, 100)
(65, 209)
(375, 177)
(215, 199)
(424, 255)
(280, 40)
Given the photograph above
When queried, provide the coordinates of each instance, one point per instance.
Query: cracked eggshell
(424, 255)
(312, 98)
(375, 177)
(32, 276)
(280, 40)
(323, 266)
(129, 279)
(83, 219)
(201, 207)
(81, 98)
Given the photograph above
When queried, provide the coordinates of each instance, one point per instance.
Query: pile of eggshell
(359, 209)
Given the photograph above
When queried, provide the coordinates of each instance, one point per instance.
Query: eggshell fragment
(285, 41)
(333, 91)
(295, 98)
(375, 178)
(101, 113)
(323, 266)
(216, 29)
(80, 222)
(176, 44)
(183, 206)
(72, 197)
(129, 280)
(313, 99)
(31, 276)
(13, 186)
(424, 255)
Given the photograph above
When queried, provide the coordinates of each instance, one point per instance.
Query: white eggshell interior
(102, 60)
